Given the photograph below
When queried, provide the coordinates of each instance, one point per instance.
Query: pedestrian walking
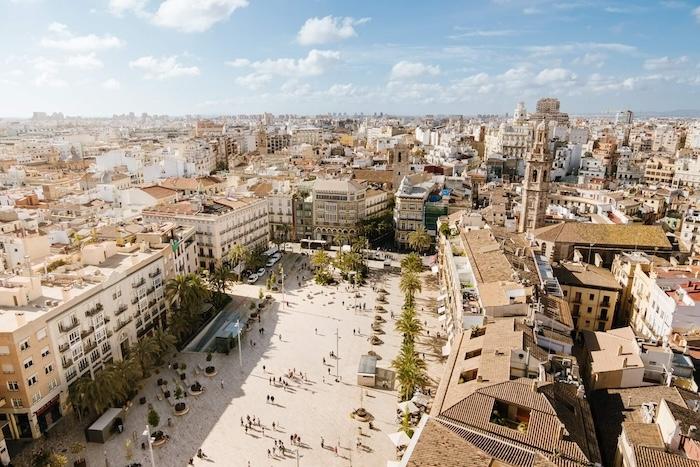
(272, 399)
(315, 330)
(329, 370)
(268, 399)
(322, 442)
(268, 453)
(324, 360)
(222, 384)
(263, 367)
(241, 421)
(273, 426)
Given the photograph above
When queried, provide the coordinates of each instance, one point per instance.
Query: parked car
(261, 272)
(253, 278)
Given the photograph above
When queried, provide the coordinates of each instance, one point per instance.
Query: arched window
(534, 175)
(544, 176)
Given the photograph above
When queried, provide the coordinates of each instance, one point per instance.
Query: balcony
(150, 290)
(121, 309)
(67, 363)
(155, 273)
(134, 300)
(86, 332)
(89, 346)
(94, 310)
(63, 327)
(122, 324)
(138, 283)
(152, 303)
(63, 347)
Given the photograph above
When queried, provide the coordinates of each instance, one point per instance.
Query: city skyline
(241, 57)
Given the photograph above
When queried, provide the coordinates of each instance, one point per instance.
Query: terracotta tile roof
(649, 457)
(584, 275)
(625, 235)
(644, 434)
(375, 176)
(159, 192)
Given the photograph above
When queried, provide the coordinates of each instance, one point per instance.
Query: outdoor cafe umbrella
(408, 406)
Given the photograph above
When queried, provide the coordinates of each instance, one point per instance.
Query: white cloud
(84, 62)
(195, 15)
(591, 59)
(295, 88)
(342, 90)
(665, 63)
(119, 7)
(315, 63)
(483, 33)
(407, 70)
(253, 80)
(49, 80)
(539, 50)
(162, 68)
(63, 39)
(555, 76)
(696, 13)
(328, 29)
(111, 84)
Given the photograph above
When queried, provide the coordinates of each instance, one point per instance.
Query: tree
(412, 263)
(410, 370)
(409, 325)
(255, 258)
(419, 240)
(145, 352)
(410, 283)
(153, 418)
(236, 255)
(406, 424)
(320, 259)
(123, 375)
(188, 290)
(219, 280)
(445, 229)
(47, 458)
(166, 344)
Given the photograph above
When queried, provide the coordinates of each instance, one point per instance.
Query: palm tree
(166, 344)
(409, 325)
(188, 291)
(219, 279)
(412, 263)
(123, 374)
(236, 255)
(145, 352)
(419, 239)
(180, 325)
(320, 259)
(410, 370)
(410, 283)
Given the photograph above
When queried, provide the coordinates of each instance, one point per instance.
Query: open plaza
(284, 381)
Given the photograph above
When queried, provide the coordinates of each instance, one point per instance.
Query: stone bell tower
(538, 166)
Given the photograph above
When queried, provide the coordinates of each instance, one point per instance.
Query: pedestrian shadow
(276, 404)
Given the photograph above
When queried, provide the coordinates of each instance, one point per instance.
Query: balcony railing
(89, 346)
(150, 290)
(67, 363)
(155, 273)
(63, 327)
(122, 324)
(139, 283)
(94, 310)
(86, 332)
(121, 309)
(134, 300)
(63, 347)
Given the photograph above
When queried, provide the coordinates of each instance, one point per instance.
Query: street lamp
(147, 433)
(283, 292)
(240, 349)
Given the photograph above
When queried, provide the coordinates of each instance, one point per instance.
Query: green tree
(410, 370)
(320, 259)
(412, 263)
(46, 458)
(145, 353)
(219, 279)
(166, 344)
(123, 375)
(235, 255)
(410, 283)
(187, 290)
(445, 229)
(153, 418)
(406, 424)
(255, 258)
(409, 325)
(419, 240)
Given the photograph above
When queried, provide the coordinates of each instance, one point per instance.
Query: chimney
(560, 432)
(534, 385)
(624, 362)
(620, 350)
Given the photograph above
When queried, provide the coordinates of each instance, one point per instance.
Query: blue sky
(314, 56)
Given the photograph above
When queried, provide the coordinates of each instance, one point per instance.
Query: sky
(408, 57)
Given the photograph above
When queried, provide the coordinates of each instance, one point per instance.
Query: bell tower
(538, 166)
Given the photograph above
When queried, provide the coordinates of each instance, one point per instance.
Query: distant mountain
(682, 113)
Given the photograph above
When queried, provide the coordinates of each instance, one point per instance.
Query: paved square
(297, 336)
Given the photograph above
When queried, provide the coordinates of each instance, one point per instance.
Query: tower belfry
(538, 166)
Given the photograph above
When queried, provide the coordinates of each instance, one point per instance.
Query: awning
(399, 438)
(446, 350)
(408, 406)
(441, 310)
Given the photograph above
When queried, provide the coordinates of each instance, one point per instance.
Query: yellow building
(592, 293)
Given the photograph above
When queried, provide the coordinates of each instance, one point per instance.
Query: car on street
(261, 272)
(253, 278)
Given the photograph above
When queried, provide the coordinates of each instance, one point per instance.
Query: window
(44, 352)
(48, 368)
(604, 313)
(17, 403)
(28, 363)
(41, 334)
(32, 380)
(472, 354)
(468, 375)
(510, 415)
(577, 297)
(36, 398)
(4, 350)
(24, 345)
(7, 368)
(12, 386)
(576, 309)
(52, 384)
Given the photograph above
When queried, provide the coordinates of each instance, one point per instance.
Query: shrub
(153, 418)
(209, 356)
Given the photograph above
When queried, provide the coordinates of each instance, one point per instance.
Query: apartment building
(623, 269)
(409, 209)
(665, 300)
(220, 224)
(281, 209)
(690, 231)
(69, 322)
(659, 170)
(338, 206)
(592, 293)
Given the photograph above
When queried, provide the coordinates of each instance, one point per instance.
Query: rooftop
(584, 275)
(622, 235)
